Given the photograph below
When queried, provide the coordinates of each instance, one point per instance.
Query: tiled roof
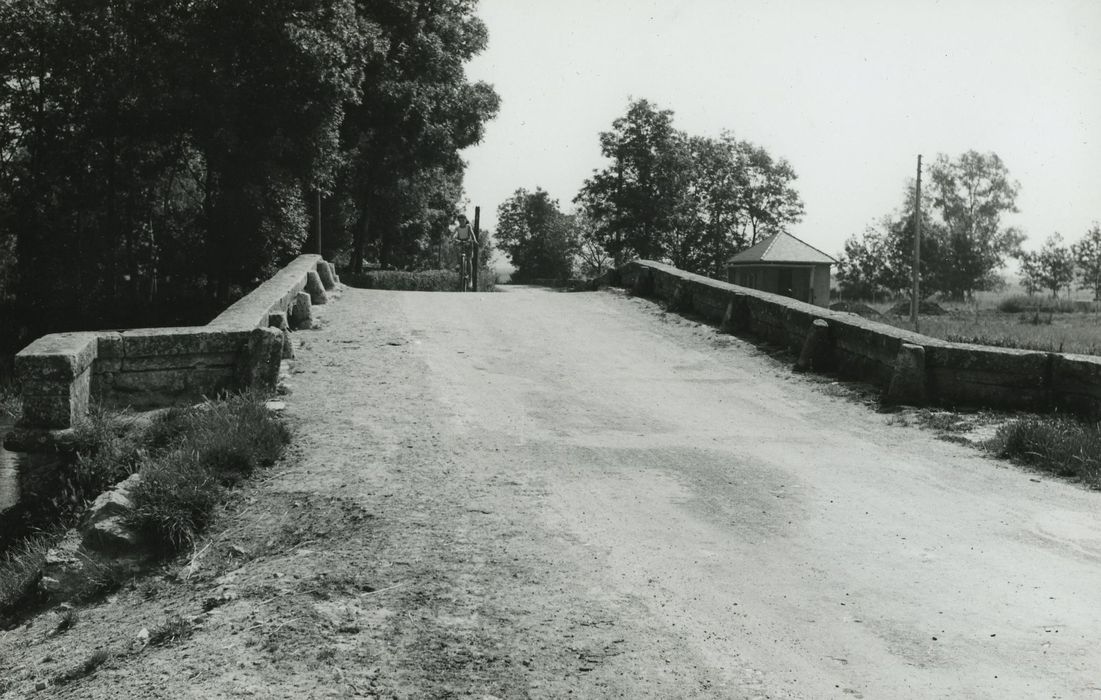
(782, 248)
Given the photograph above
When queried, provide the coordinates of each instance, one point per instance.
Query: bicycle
(464, 267)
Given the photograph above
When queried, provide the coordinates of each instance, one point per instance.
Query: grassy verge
(1061, 446)
(187, 459)
(202, 452)
(425, 281)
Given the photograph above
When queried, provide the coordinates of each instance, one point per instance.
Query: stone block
(278, 320)
(288, 345)
(56, 357)
(56, 405)
(160, 342)
(315, 289)
(109, 345)
(817, 351)
(681, 298)
(908, 383)
(159, 388)
(301, 314)
(181, 362)
(259, 367)
(325, 273)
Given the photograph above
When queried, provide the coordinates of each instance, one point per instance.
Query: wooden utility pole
(476, 245)
(915, 301)
(319, 223)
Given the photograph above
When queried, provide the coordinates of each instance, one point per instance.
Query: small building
(783, 264)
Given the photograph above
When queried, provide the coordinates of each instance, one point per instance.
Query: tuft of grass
(66, 622)
(86, 668)
(20, 569)
(236, 437)
(1062, 446)
(175, 629)
(174, 501)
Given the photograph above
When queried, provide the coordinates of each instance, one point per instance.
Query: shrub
(1062, 446)
(424, 281)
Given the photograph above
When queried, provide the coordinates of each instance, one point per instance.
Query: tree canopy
(540, 240)
(963, 240)
(155, 154)
(690, 200)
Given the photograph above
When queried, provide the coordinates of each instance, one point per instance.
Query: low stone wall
(153, 367)
(909, 367)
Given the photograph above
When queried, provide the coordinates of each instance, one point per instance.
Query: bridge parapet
(153, 367)
(952, 374)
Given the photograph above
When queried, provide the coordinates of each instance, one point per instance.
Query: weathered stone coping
(908, 366)
(151, 367)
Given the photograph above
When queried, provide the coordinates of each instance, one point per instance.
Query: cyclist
(464, 236)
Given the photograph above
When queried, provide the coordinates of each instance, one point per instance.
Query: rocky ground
(539, 494)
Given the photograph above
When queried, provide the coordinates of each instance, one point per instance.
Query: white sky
(849, 91)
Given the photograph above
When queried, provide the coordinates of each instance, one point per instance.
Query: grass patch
(209, 449)
(66, 622)
(20, 568)
(175, 629)
(1061, 446)
(424, 281)
(1072, 333)
(84, 669)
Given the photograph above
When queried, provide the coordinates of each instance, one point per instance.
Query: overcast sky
(848, 91)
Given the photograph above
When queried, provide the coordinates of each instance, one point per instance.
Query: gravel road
(735, 530)
(547, 495)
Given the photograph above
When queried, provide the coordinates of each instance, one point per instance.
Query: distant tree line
(964, 241)
(1057, 266)
(692, 201)
(153, 154)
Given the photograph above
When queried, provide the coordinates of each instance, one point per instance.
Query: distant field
(1070, 332)
(982, 323)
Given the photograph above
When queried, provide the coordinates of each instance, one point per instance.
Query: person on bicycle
(464, 236)
(463, 233)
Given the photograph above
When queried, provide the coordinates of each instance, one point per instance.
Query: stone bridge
(551, 494)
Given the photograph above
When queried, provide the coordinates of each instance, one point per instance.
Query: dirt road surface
(547, 495)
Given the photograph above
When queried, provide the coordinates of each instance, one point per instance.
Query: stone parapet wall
(152, 367)
(920, 368)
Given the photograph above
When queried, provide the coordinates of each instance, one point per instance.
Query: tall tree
(1054, 265)
(417, 112)
(692, 201)
(540, 241)
(972, 193)
(636, 198)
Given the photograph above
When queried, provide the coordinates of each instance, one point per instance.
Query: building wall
(806, 283)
